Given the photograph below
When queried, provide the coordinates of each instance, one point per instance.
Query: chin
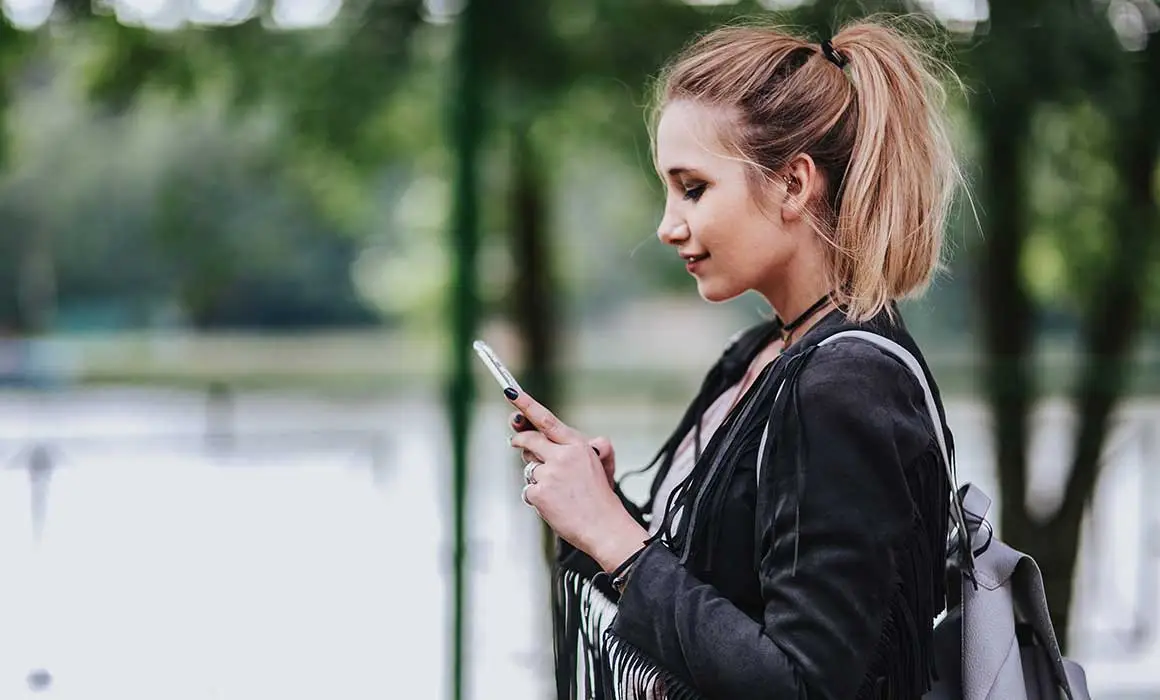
(717, 293)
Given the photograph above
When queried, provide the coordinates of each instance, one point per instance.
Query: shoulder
(848, 362)
(851, 381)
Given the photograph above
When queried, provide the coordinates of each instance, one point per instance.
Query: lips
(693, 262)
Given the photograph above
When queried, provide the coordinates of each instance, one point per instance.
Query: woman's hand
(602, 446)
(570, 486)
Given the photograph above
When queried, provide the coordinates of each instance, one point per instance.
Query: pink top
(712, 419)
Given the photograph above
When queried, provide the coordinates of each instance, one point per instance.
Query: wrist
(618, 545)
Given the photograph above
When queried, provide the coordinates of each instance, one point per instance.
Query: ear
(802, 181)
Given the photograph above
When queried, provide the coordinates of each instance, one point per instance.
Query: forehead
(688, 135)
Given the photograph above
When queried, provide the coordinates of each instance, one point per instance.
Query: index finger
(544, 420)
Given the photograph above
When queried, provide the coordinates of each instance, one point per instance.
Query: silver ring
(530, 472)
(524, 496)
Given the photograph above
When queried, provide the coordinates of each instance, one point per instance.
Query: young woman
(793, 543)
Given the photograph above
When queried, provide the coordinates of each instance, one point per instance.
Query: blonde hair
(876, 128)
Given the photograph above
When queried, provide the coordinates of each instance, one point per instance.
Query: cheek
(767, 244)
(750, 243)
(747, 246)
(754, 254)
(718, 226)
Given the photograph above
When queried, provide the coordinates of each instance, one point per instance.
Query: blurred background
(245, 245)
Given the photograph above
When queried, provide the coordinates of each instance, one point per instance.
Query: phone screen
(494, 365)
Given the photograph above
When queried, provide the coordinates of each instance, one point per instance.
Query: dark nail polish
(518, 420)
(511, 394)
(596, 450)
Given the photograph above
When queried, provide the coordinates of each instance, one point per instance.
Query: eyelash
(694, 193)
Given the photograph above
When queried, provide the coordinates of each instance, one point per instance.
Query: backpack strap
(1031, 599)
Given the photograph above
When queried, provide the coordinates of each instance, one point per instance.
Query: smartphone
(496, 366)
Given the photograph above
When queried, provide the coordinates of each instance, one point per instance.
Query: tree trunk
(534, 294)
(1008, 315)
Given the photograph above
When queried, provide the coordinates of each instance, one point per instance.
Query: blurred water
(309, 558)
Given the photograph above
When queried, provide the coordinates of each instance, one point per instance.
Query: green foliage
(358, 107)
(367, 90)
(1072, 187)
(343, 80)
(327, 82)
(245, 249)
(1036, 51)
(129, 59)
(155, 207)
(13, 45)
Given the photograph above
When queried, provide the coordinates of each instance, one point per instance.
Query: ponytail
(897, 189)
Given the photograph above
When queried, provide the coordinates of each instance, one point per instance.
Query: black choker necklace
(788, 328)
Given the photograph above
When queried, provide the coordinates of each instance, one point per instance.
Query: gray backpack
(997, 641)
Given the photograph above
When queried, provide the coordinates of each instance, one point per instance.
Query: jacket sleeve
(825, 565)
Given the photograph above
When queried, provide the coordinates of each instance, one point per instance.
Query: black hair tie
(833, 55)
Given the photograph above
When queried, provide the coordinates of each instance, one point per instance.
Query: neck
(793, 300)
(796, 326)
(798, 285)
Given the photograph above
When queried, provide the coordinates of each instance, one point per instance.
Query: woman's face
(728, 242)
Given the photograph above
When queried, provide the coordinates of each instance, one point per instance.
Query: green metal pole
(466, 127)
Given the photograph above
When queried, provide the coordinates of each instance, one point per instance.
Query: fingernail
(519, 419)
(596, 450)
(511, 394)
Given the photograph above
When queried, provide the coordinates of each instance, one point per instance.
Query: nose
(672, 231)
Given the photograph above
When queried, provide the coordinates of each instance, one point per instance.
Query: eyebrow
(675, 172)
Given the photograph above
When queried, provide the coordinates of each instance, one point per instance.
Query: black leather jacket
(821, 580)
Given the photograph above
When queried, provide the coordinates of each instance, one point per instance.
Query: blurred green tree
(142, 210)
(1038, 58)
